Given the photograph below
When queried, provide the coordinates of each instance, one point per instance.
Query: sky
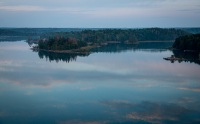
(99, 13)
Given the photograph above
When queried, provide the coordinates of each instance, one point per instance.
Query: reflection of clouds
(59, 106)
(81, 122)
(3, 114)
(85, 88)
(186, 100)
(123, 74)
(168, 72)
(45, 74)
(189, 102)
(21, 48)
(6, 46)
(1, 89)
(156, 113)
(153, 112)
(29, 93)
(40, 73)
(144, 65)
(195, 89)
(118, 104)
(155, 118)
(138, 69)
(10, 63)
(89, 67)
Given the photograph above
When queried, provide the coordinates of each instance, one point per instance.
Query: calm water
(123, 85)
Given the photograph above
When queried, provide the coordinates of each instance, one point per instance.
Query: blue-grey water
(119, 86)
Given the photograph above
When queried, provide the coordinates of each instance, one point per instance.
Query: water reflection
(153, 112)
(143, 46)
(110, 48)
(67, 57)
(133, 86)
(192, 57)
(12, 38)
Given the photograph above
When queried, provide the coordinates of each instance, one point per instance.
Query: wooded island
(87, 39)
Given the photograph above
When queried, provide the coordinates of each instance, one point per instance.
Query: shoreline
(157, 41)
(82, 50)
(86, 49)
(175, 49)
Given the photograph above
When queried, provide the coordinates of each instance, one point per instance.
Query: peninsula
(188, 42)
(188, 47)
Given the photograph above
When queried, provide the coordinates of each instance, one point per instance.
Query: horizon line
(106, 27)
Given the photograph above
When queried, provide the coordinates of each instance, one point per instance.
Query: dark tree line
(60, 43)
(33, 31)
(122, 35)
(188, 42)
(78, 39)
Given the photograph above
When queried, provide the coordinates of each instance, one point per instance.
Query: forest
(188, 42)
(102, 35)
(29, 32)
(78, 39)
(60, 43)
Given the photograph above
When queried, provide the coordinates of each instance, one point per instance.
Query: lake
(117, 84)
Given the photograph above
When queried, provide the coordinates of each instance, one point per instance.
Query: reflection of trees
(154, 45)
(142, 46)
(115, 47)
(67, 57)
(187, 56)
(111, 48)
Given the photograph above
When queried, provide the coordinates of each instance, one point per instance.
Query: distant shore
(158, 41)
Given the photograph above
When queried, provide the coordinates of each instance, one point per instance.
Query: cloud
(87, 3)
(99, 13)
(31, 8)
(22, 8)
(118, 12)
(101, 8)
